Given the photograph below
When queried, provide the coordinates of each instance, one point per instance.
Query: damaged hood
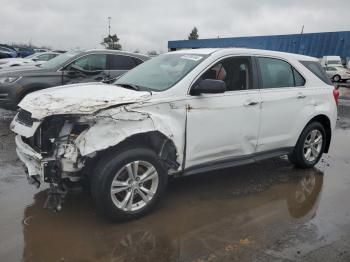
(79, 99)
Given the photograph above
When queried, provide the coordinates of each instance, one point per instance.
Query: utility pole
(302, 30)
(109, 25)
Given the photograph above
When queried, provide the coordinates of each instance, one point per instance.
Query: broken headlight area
(55, 131)
(59, 159)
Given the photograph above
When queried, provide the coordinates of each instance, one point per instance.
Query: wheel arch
(163, 146)
(326, 123)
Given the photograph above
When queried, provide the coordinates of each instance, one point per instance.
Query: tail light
(336, 94)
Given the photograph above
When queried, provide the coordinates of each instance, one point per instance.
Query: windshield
(162, 72)
(59, 60)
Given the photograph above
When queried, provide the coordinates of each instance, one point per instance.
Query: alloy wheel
(134, 185)
(313, 145)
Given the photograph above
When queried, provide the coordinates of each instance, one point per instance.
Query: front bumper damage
(60, 149)
(52, 159)
(40, 169)
(32, 161)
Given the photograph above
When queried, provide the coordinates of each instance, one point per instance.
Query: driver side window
(234, 71)
(95, 62)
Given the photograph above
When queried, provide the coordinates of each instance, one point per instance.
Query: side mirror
(35, 59)
(209, 86)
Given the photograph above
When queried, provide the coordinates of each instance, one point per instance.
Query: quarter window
(122, 62)
(298, 79)
(276, 73)
(316, 69)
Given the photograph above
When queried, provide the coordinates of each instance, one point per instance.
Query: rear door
(119, 64)
(284, 98)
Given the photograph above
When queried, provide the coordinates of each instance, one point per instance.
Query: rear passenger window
(276, 73)
(122, 62)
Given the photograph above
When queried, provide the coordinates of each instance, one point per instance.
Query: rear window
(316, 68)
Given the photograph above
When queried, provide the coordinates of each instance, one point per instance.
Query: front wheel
(128, 183)
(336, 78)
(310, 146)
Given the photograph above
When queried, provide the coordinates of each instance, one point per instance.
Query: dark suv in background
(68, 68)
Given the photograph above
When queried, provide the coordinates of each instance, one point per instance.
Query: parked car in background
(6, 52)
(330, 61)
(180, 113)
(23, 51)
(40, 50)
(32, 60)
(68, 68)
(337, 72)
(59, 51)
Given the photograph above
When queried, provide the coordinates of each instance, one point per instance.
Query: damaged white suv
(181, 113)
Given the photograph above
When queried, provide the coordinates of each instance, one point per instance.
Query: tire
(304, 154)
(119, 167)
(336, 78)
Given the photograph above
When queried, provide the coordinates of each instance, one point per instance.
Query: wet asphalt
(267, 211)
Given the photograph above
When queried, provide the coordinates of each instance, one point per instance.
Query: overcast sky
(149, 24)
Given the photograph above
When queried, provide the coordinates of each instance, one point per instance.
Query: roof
(245, 51)
(111, 51)
(200, 51)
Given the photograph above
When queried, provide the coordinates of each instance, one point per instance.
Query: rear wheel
(128, 184)
(310, 146)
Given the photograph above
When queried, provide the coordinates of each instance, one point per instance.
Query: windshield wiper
(130, 86)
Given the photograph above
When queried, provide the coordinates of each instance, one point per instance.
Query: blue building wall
(312, 44)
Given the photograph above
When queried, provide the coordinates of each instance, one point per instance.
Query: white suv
(180, 113)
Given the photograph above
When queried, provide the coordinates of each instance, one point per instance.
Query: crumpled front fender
(117, 124)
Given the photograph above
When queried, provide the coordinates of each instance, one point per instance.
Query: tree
(194, 34)
(111, 42)
(152, 53)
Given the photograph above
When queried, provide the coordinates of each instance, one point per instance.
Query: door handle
(251, 103)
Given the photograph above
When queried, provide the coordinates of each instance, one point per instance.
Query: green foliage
(111, 42)
(152, 53)
(194, 34)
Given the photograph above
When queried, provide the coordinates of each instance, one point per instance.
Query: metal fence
(312, 44)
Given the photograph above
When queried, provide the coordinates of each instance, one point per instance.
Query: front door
(224, 126)
(89, 68)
